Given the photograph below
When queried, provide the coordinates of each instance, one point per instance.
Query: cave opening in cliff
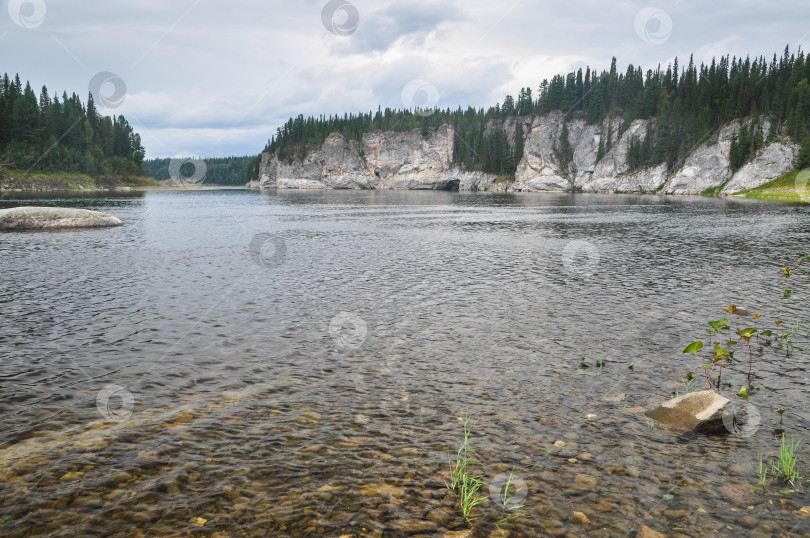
(452, 185)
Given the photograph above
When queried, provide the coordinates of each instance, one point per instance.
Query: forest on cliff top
(688, 105)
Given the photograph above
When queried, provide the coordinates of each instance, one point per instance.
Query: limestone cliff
(769, 164)
(384, 160)
(407, 160)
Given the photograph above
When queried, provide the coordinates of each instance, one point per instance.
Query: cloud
(409, 22)
(219, 78)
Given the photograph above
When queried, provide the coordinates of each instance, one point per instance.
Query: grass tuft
(786, 469)
(509, 512)
(463, 482)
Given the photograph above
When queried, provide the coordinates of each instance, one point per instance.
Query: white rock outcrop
(385, 160)
(44, 218)
(639, 181)
(539, 168)
(407, 160)
(707, 167)
(771, 163)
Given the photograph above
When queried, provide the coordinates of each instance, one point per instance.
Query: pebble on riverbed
(646, 532)
(580, 518)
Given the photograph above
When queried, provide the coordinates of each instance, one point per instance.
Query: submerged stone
(646, 532)
(696, 411)
(380, 490)
(412, 526)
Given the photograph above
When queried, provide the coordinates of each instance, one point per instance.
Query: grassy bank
(783, 188)
(11, 179)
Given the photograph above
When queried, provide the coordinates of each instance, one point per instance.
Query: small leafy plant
(724, 350)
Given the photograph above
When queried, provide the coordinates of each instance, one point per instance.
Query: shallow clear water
(300, 363)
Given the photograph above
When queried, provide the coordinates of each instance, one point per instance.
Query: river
(301, 362)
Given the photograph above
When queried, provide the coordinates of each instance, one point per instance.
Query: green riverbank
(19, 180)
(792, 186)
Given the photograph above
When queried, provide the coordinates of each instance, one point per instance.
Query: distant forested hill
(687, 104)
(219, 171)
(53, 134)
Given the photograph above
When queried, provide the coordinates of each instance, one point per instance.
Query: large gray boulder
(695, 411)
(42, 218)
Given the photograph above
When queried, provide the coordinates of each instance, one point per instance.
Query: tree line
(688, 105)
(53, 134)
(219, 171)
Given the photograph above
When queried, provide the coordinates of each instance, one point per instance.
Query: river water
(301, 362)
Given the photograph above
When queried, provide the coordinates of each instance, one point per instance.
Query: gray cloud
(413, 22)
(217, 79)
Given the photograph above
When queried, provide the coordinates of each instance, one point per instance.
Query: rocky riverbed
(300, 362)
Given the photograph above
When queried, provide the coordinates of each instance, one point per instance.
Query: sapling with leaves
(694, 349)
(720, 354)
(724, 351)
(781, 412)
(746, 335)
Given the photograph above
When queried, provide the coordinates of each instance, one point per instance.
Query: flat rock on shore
(42, 218)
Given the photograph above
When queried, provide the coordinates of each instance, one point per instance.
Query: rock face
(707, 167)
(40, 218)
(645, 180)
(336, 165)
(407, 160)
(539, 169)
(772, 162)
(699, 411)
(614, 163)
(385, 160)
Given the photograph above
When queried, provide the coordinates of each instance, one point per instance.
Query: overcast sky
(217, 78)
